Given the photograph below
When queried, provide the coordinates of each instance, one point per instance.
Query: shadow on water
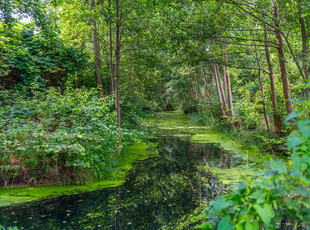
(157, 193)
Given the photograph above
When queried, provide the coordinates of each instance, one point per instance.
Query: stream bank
(158, 189)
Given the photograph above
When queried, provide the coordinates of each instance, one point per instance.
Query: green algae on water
(131, 154)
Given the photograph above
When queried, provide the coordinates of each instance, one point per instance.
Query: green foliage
(68, 137)
(27, 55)
(275, 198)
(9, 228)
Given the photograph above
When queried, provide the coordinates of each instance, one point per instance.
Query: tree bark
(282, 62)
(117, 64)
(112, 69)
(96, 47)
(229, 96)
(304, 45)
(197, 88)
(207, 94)
(223, 113)
(276, 117)
(228, 86)
(221, 88)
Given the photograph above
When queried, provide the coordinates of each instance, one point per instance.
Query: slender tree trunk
(221, 88)
(96, 47)
(263, 96)
(130, 74)
(112, 69)
(229, 96)
(197, 87)
(117, 64)
(207, 94)
(282, 62)
(223, 113)
(304, 45)
(276, 117)
(228, 86)
(192, 94)
(260, 79)
(224, 67)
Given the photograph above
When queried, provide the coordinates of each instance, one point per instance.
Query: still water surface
(161, 192)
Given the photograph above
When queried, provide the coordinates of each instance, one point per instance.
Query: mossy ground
(132, 153)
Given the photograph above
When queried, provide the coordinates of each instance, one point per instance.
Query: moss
(201, 134)
(132, 153)
(217, 137)
(231, 176)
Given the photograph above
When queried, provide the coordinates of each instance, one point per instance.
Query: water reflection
(158, 192)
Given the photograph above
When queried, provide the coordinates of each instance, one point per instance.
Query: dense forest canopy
(79, 76)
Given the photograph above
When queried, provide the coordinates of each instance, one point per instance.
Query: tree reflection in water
(158, 193)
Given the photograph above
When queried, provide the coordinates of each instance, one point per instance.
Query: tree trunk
(96, 46)
(117, 64)
(228, 86)
(229, 96)
(221, 88)
(224, 67)
(207, 94)
(276, 117)
(260, 79)
(304, 45)
(112, 69)
(263, 101)
(197, 87)
(223, 113)
(282, 62)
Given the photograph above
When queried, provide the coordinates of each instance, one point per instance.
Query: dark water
(158, 194)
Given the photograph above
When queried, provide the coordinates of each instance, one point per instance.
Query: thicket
(68, 137)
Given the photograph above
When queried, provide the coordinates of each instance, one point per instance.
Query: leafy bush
(68, 137)
(26, 54)
(277, 198)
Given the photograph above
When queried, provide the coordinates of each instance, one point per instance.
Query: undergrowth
(68, 137)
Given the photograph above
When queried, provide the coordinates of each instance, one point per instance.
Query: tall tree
(282, 62)
(96, 47)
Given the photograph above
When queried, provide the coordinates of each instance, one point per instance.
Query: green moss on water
(231, 176)
(216, 137)
(200, 134)
(132, 153)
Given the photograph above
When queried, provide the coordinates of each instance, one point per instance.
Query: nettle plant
(278, 198)
(68, 137)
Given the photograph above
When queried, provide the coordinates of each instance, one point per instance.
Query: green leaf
(225, 224)
(259, 195)
(277, 166)
(294, 139)
(221, 204)
(265, 213)
(296, 159)
(292, 116)
(304, 127)
(251, 224)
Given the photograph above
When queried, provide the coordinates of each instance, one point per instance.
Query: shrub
(69, 137)
(277, 198)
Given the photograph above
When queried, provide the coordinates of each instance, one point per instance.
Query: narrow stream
(160, 192)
